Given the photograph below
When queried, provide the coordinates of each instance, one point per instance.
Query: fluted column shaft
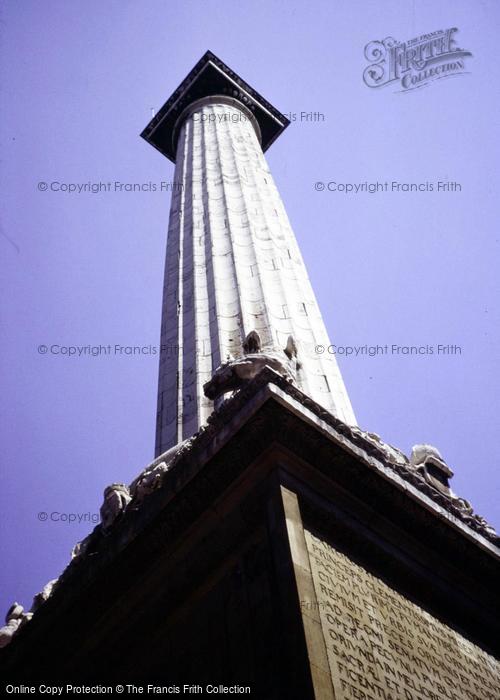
(232, 266)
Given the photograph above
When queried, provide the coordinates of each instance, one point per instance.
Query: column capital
(211, 77)
(198, 105)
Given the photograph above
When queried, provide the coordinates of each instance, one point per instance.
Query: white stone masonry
(232, 266)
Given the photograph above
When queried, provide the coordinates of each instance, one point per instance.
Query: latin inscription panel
(381, 646)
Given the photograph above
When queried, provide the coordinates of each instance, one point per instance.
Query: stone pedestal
(284, 552)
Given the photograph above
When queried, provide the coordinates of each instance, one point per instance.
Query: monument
(273, 547)
(233, 265)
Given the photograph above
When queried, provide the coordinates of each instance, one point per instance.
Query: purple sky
(79, 81)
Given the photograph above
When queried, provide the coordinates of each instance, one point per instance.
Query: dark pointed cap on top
(211, 77)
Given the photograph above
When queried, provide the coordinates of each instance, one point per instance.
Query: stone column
(232, 266)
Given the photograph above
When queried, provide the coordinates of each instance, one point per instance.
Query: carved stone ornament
(15, 618)
(149, 481)
(44, 595)
(427, 460)
(80, 548)
(116, 499)
(426, 470)
(392, 454)
(237, 373)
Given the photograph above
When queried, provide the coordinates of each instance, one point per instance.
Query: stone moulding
(158, 507)
(184, 461)
(208, 77)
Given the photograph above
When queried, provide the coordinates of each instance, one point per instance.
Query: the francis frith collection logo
(414, 63)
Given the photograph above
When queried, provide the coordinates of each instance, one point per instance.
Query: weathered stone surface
(150, 481)
(235, 374)
(14, 619)
(44, 595)
(212, 566)
(203, 567)
(368, 446)
(381, 645)
(233, 266)
(116, 499)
